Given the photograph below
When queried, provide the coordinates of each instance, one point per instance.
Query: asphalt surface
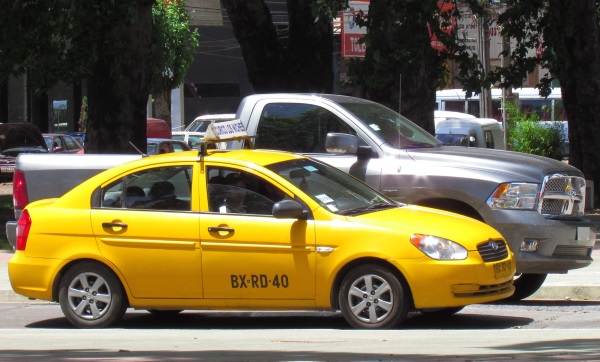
(578, 284)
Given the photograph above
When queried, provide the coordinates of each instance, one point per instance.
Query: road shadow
(289, 320)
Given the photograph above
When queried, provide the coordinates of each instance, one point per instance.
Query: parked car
(163, 145)
(157, 128)
(200, 124)
(62, 143)
(191, 138)
(250, 230)
(78, 136)
(17, 138)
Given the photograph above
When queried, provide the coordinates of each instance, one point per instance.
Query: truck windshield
(333, 189)
(396, 130)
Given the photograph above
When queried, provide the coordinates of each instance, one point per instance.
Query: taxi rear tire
(371, 297)
(91, 296)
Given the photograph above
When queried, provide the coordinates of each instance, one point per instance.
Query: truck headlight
(522, 196)
(438, 248)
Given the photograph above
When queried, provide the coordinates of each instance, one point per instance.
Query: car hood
(502, 166)
(411, 219)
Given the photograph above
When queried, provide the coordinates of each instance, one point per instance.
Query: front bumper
(454, 283)
(562, 245)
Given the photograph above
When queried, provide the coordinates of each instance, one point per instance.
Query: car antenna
(138, 150)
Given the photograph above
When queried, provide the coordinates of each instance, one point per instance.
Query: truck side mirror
(341, 143)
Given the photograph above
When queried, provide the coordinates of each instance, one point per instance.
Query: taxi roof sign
(225, 131)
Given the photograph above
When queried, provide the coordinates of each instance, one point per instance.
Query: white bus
(529, 99)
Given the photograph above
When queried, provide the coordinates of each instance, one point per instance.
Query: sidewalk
(578, 284)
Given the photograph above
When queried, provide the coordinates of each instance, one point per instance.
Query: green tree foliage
(529, 134)
(111, 45)
(567, 36)
(401, 69)
(177, 44)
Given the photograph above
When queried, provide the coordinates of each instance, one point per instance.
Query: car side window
(163, 188)
(71, 145)
(308, 123)
(237, 192)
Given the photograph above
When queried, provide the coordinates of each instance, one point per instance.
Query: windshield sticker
(324, 198)
(375, 127)
(332, 208)
(310, 168)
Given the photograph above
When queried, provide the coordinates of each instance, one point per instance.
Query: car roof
(210, 117)
(190, 133)
(243, 157)
(162, 140)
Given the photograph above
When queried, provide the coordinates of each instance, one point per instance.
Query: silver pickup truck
(536, 203)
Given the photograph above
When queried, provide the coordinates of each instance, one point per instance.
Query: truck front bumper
(544, 245)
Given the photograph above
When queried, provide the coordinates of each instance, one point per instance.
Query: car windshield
(454, 139)
(332, 188)
(396, 130)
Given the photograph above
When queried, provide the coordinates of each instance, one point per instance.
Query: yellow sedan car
(250, 230)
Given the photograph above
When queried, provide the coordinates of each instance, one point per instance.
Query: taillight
(19, 190)
(23, 226)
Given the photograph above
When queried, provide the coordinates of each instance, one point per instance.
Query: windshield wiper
(363, 209)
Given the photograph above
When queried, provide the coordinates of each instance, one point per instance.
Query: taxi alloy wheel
(91, 296)
(372, 297)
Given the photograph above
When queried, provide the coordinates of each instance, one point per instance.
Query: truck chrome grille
(562, 195)
(493, 250)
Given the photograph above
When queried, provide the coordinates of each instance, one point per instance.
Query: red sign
(351, 33)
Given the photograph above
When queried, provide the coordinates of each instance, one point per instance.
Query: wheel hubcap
(371, 299)
(89, 296)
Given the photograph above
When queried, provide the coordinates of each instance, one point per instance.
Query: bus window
(455, 106)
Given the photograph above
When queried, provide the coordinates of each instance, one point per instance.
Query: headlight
(438, 248)
(521, 196)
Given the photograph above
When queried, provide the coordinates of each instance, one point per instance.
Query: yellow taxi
(250, 230)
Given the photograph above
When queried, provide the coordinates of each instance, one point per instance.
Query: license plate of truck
(503, 269)
(7, 169)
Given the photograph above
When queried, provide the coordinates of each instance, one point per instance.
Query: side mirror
(289, 209)
(341, 143)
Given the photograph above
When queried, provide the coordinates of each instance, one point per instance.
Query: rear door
(152, 236)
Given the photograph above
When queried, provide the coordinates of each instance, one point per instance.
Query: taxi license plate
(503, 269)
(7, 169)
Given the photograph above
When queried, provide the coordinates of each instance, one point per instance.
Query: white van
(471, 132)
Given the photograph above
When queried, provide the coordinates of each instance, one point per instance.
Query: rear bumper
(11, 233)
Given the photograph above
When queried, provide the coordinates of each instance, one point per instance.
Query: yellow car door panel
(157, 253)
(245, 256)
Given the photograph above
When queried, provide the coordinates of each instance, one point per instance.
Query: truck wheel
(91, 296)
(526, 285)
(370, 297)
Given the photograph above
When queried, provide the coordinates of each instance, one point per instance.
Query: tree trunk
(120, 85)
(395, 74)
(162, 105)
(274, 66)
(576, 40)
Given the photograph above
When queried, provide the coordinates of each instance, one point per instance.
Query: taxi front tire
(91, 296)
(371, 297)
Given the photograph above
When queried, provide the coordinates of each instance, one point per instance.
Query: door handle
(213, 229)
(114, 225)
